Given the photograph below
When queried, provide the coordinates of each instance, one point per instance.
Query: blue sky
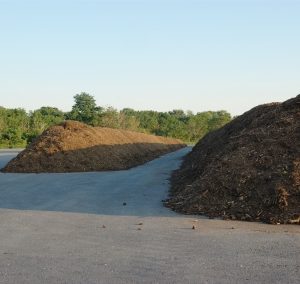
(161, 55)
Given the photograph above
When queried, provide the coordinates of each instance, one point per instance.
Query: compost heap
(247, 170)
(75, 147)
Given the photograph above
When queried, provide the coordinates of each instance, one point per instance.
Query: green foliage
(148, 120)
(128, 121)
(44, 117)
(18, 128)
(109, 118)
(85, 109)
(14, 123)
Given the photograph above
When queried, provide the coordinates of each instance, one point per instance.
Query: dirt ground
(75, 147)
(248, 170)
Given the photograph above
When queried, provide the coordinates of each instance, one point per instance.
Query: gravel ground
(74, 228)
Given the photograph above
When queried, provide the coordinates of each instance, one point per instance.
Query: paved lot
(74, 228)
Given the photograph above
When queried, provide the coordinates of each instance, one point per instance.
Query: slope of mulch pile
(247, 170)
(75, 147)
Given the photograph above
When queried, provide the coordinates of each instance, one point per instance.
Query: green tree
(197, 126)
(84, 109)
(52, 115)
(109, 118)
(14, 124)
(43, 118)
(171, 126)
(128, 120)
(148, 121)
(17, 127)
(219, 119)
(178, 113)
(2, 119)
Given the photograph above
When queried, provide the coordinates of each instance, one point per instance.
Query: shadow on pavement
(134, 192)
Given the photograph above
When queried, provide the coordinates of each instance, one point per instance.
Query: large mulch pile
(247, 170)
(75, 147)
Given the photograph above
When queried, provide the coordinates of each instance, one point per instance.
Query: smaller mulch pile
(247, 170)
(75, 147)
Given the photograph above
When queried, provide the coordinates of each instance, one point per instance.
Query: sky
(160, 55)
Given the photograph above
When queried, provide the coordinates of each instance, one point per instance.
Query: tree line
(18, 127)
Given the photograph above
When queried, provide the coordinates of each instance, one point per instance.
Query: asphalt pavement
(111, 227)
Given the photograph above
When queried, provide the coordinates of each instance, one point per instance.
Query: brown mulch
(75, 147)
(247, 170)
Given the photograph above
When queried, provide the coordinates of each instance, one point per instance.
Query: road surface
(111, 227)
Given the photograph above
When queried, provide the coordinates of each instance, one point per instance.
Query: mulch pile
(247, 170)
(75, 147)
